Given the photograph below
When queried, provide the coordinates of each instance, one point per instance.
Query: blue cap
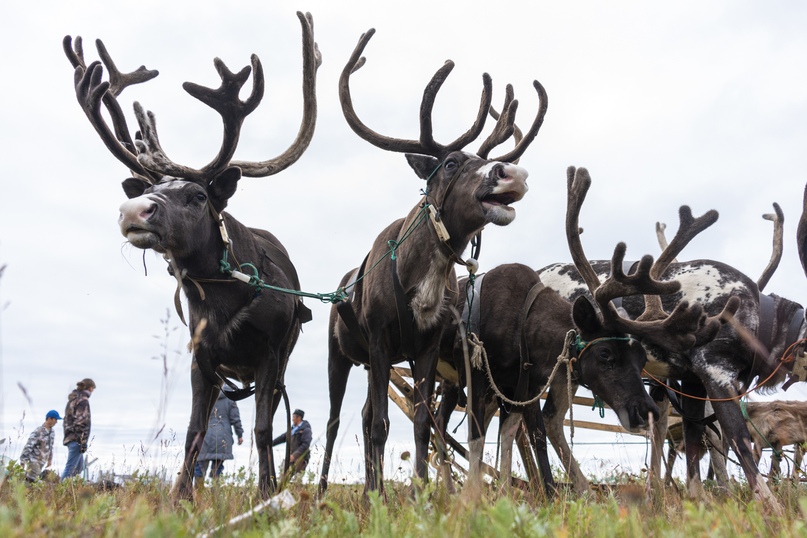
(53, 414)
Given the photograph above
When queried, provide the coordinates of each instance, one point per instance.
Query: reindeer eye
(200, 197)
(450, 165)
(605, 354)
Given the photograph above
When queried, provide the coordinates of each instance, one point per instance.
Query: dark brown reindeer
(399, 305)
(525, 328)
(238, 331)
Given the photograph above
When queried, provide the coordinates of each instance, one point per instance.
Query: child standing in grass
(38, 451)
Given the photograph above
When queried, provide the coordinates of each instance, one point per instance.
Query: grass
(144, 507)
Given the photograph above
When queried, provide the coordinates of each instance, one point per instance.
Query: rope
(333, 297)
(787, 356)
(479, 349)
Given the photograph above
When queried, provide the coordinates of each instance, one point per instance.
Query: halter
(579, 346)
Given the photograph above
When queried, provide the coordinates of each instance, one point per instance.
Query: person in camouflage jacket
(77, 426)
(38, 451)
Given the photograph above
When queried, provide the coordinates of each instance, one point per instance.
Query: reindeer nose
(137, 209)
(498, 171)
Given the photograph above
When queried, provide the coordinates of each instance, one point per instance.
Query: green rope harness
(340, 294)
(599, 403)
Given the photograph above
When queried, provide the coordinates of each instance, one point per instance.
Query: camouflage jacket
(39, 446)
(77, 417)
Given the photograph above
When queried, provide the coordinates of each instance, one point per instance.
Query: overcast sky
(699, 103)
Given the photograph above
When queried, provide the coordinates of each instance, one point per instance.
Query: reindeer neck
(212, 252)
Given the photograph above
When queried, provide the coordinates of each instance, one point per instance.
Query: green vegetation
(144, 507)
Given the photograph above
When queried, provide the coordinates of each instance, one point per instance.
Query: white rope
(481, 357)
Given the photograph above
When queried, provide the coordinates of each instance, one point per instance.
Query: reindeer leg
(555, 408)
(451, 394)
(366, 427)
(202, 401)
(693, 436)
(379, 404)
(510, 422)
(338, 372)
(735, 429)
(423, 375)
(717, 458)
(534, 420)
(266, 378)
(776, 463)
(476, 431)
(659, 433)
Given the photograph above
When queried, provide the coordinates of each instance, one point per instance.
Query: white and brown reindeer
(719, 370)
(525, 327)
(239, 332)
(399, 297)
(714, 442)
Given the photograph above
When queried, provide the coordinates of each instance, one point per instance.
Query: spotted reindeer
(720, 370)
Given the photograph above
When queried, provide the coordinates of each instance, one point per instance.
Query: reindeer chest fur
(428, 303)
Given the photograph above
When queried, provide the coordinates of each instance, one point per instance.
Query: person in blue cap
(38, 452)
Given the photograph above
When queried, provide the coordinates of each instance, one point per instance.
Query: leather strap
(524, 353)
(765, 329)
(406, 320)
(345, 308)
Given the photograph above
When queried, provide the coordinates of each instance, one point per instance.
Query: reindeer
(721, 369)
(777, 424)
(521, 343)
(399, 295)
(713, 440)
(237, 330)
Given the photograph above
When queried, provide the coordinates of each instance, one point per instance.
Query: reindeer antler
(145, 156)
(91, 90)
(426, 145)
(778, 219)
(223, 100)
(312, 59)
(686, 326)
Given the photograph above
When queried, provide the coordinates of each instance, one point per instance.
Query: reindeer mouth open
(141, 237)
(496, 205)
(500, 199)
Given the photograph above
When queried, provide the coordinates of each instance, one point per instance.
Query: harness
(271, 252)
(410, 337)
(765, 336)
(471, 316)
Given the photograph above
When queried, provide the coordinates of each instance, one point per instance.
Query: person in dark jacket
(218, 443)
(300, 442)
(77, 426)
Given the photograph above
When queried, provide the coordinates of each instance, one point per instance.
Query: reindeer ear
(423, 165)
(585, 316)
(223, 187)
(134, 187)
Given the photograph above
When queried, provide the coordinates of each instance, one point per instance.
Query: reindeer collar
(434, 211)
(579, 346)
